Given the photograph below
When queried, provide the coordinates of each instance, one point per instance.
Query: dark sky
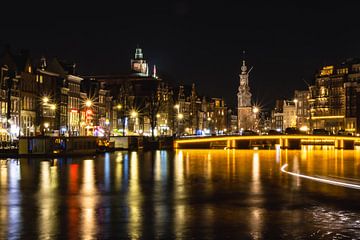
(189, 42)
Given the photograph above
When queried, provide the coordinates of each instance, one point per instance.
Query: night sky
(193, 42)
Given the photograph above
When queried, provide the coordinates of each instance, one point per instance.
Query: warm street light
(157, 115)
(45, 100)
(119, 106)
(180, 116)
(52, 106)
(46, 124)
(88, 103)
(255, 109)
(177, 106)
(133, 114)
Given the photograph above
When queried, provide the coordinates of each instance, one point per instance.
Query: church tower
(138, 64)
(245, 116)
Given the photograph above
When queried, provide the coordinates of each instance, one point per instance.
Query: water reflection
(88, 201)
(10, 183)
(47, 202)
(237, 194)
(118, 170)
(134, 198)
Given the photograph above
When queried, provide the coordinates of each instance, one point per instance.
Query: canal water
(185, 194)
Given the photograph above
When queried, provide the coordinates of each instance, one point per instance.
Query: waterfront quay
(184, 194)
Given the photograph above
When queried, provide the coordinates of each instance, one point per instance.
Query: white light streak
(336, 183)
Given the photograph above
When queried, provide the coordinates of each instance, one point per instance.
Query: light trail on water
(327, 181)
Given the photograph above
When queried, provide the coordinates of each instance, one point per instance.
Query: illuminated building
(138, 91)
(301, 99)
(218, 115)
(284, 115)
(289, 112)
(333, 97)
(139, 65)
(95, 119)
(67, 95)
(245, 111)
(18, 99)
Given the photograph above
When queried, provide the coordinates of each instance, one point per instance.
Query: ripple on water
(333, 224)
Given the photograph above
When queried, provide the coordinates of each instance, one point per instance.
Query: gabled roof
(15, 62)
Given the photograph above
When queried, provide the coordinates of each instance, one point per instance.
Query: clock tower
(244, 100)
(139, 64)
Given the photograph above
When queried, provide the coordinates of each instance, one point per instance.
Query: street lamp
(133, 114)
(119, 106)
(180, 116)
(255, 111)
(88, 103)
(45, 100)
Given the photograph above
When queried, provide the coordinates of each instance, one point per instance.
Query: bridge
(266, 141)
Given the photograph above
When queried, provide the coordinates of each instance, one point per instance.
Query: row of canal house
(40, 97)
(49, 97)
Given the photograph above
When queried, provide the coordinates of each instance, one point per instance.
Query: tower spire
(243, 67)
(154, 72)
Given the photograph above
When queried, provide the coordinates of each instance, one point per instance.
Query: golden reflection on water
(118, 170)
(88, 201)
(257, 169)
(47, 201)
(180, 209)
(134, 198)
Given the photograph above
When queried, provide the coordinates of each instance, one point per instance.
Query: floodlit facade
(334, 98)
(245, 110)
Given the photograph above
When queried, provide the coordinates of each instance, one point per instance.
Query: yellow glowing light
(327, 117)
(88, 103)
(46, 124)
(263, 137)
(45, 100)
(119, 106)
(53, 107)
(304, 128)
(255, 109)
(157, 115)
(180, 116)
(322, 180)
(134, 114)
(327, 70)
(177, 106)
